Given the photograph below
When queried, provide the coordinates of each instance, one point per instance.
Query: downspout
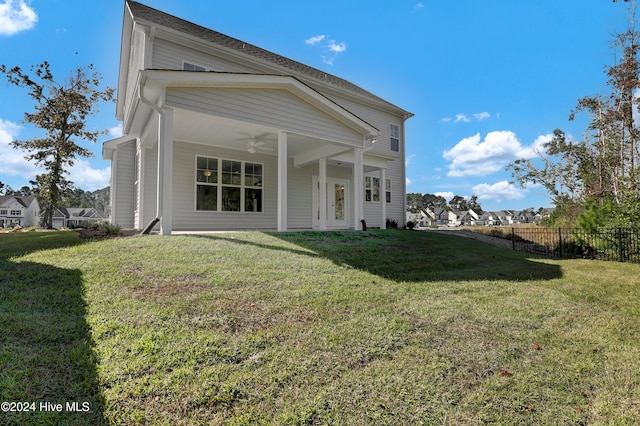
(160, 112)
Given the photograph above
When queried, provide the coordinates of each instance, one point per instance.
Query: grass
(353, 328)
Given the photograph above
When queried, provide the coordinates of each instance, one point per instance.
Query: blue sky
(488, 81)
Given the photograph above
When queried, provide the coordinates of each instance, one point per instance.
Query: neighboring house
(543, 214)
(524, 216)
(19, 211)
(221, 134)
(428, 218)
(489, 219)
(75, 217)
(468, 217)
(505, 217)
(445, 217)
(422, 219)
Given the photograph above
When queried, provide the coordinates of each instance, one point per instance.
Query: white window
(371, 188)
(387, 190)
(3, 212)
(187, 66)
(228, 185)
(394, 131)
(16, 212)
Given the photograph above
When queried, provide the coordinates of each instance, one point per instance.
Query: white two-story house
(219, 134)
(20, 211)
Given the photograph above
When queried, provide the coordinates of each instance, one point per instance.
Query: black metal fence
(617, 244)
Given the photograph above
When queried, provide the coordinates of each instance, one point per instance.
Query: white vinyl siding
(395, 168)
(300, 187)
(168, 55)
(272, 108)
(187, 217)
(150, 183)
(269, 107)
(123, 185)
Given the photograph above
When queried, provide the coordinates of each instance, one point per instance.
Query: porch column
(165, 171)
(322, 192)
(358, 188)
(282, 181)
(141, 186)
(383, 198)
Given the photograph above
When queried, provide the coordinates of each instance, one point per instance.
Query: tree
(414, 202)
(432, 201)
(604, 166)
(61, 111)
(458, 203)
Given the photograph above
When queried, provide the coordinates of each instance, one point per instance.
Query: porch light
(373, 141)
(207, 173)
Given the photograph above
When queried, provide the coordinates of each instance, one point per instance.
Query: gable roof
(24, 201)
(143, 13)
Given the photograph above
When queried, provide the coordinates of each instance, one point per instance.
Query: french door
(337, 206)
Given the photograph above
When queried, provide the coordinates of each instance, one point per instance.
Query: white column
(322, 192)
(358, 188)
(165, 171)
(282, 181)
(383, 198)
(141, 185)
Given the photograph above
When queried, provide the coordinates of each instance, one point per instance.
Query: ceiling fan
(256, 143)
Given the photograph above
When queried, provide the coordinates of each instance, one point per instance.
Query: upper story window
(187, 66)
(3, 212)
(394, 132)
(16, 212)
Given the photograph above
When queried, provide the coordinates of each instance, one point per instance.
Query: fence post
(560, 241)
(620, 249)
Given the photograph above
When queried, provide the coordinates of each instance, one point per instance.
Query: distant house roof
(77, 212)
(143, 13)
(24, 201)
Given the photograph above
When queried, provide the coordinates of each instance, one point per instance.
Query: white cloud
(537, 148)
(475, 157)
(331, 48)
(84, 176)
(408, 159)
(16, 16)
(337, 47)
(418, 6)
(408, 181)
(481, 116)
(462, 118)
(315, 39)
(12, 161)
(499, 191)
(446, 195)
(116, 132)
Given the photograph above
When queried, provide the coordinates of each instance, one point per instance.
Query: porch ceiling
(206, 129)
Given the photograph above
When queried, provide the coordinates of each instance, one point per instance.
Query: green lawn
(353, 328)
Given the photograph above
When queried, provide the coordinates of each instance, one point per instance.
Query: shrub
(104, 226)
(411, 224)
(392, 224)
